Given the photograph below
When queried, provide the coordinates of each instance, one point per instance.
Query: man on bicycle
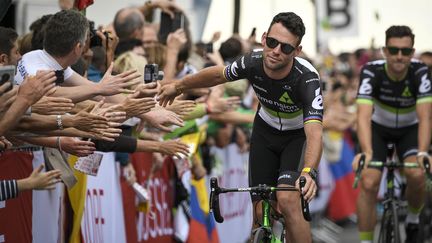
(287, 132)
(394, 106)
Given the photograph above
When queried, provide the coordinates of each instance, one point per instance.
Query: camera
(7, 74)
(60, 77)
(152, 73)
(95, 40)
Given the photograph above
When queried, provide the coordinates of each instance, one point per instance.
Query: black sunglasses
(285, 47)
(406, 51)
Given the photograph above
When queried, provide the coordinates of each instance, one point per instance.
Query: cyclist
(394, 105)
(287, 132)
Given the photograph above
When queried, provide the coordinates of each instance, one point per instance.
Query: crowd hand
(39, 180)
(174, 148)
(50, 105)
(86, 120)
(182, 107)
(112, 113)
(116, 84)
(5, 144)
(109, 45)
(168, 7)
(176, 40)
(76, 146)
(7, 98)
(136, 107)
(309, 190)
(162, 119)
(216, 36)
(167, 94)
(152, 136)
(34, 87)
(356, 160)
(145, 90)
(158, 161)
(222, 104)
(106, 134)
(129, 174)
(241, 140)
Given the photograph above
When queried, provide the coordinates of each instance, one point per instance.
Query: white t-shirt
(37, 60)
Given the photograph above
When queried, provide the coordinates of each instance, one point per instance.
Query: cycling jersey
(285, 104)
(394, 102)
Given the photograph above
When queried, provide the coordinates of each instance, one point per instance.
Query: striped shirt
(8, 189)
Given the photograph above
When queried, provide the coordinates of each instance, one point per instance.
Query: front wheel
(389, 232)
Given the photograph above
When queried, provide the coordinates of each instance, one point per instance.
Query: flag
(202, 225)
(343, 199)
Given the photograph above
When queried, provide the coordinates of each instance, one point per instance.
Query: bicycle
(389, 231)
(264, 233)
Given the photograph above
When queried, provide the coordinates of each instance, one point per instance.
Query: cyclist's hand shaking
(310, 189)
(356, 160)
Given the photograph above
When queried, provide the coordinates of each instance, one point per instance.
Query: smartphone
(7, 74)
(253, 31)
(209, 47)
(60, 77)
(168, 25)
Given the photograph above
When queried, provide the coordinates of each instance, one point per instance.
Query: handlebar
(392, 164)
(215, 190)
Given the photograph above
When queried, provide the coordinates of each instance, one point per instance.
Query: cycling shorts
(276, 157)
(404, 139)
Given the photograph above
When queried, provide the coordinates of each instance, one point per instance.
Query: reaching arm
(364, 130)
(207, 77)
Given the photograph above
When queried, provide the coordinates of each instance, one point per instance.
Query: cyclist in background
(394, 105)
(287, 132)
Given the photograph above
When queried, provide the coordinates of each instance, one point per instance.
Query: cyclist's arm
(208, 77)
(424, 117)
(364, 130)
(313, 150)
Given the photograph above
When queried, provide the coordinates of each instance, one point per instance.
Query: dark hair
(291, 22)
(38, 30)
(125, 27)
(63, 31)
(8, 37)
(231, 49)
(399, 31)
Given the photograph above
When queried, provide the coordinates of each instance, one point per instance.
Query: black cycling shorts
(404, 139)
(276, 157)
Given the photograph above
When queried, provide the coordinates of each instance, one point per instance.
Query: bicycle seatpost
(214, 200)
(304, 204)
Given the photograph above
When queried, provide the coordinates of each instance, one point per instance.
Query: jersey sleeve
(311, 97)
(423, 85)
(238, 69)
(365, 90)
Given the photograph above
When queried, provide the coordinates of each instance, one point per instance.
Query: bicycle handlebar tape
(304, 204)
(359, 169)
(214, 200)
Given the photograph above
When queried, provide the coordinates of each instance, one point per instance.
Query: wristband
(59, 122)
(306, 169)
(423, 153)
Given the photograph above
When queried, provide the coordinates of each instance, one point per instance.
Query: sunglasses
(406, 51)
(285, 47)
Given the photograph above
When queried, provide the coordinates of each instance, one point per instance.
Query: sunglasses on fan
(285, 47)
(406, 51)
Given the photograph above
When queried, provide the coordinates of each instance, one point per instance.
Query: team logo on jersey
(286, 99)
(234, 69)
(365, 87)
(317, 102)
(406, 92)
(425, 84)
